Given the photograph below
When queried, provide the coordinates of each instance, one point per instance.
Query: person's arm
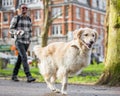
(31, 31)
(13, 30)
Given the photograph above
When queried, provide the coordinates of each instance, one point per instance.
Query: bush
(3, 63)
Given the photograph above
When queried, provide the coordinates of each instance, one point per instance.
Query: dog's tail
(37, 50)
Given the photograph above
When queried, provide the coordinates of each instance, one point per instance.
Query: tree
(111, 74)
(48, 19)
(44, 34)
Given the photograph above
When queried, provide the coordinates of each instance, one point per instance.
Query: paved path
(22, 88)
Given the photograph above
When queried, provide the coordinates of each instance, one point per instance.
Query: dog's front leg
(49, 84)
(64, 85)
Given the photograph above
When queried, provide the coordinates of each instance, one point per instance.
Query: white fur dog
(60, 59)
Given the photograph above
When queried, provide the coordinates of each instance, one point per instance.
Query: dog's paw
(51, 87)
(57, 91)
(64, 92)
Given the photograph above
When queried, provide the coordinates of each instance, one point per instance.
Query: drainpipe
(1, 25)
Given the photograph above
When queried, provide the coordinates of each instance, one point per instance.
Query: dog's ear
(96, 34)
(77, 33)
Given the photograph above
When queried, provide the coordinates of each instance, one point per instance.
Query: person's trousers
(22, 58)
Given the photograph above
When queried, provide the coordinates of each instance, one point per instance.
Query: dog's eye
(86, 34)
(93, 35)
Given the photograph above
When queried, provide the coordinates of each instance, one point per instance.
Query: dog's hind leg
(53, 78)
(64, 84)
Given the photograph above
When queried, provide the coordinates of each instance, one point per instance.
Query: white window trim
(78, 13)
(83, 1)
(37, 32)
(87, 18)
(95, 18)
(77, 26)
(56, 28)
(67, 13)
(24, 1)
(56, 12)
(5, 22)
(5, 33)
(7, 3)
(102, 19)
(94, 3)
(37, 14)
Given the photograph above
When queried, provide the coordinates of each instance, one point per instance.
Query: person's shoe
(14, 78)
(30, 79)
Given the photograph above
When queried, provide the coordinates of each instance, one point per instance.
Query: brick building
(75, 14)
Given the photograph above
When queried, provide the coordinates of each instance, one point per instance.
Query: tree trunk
(48, 19)
(44, 34)
(106, 23)
(111, 74)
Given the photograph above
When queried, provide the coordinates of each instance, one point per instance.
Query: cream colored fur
(60, 59)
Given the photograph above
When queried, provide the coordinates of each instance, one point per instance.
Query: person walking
(21, 27)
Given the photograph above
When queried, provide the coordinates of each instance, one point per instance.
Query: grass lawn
(90, 74)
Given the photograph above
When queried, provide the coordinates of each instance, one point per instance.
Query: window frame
(37, 31)
(7, 3)
(5, 16)
(87, 15)
(37, 15)
(78, 13)
(56, 12)
(56, 30)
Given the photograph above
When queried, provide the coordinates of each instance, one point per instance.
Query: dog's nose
(91, 42)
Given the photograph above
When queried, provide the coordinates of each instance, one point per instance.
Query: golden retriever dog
(58, 60)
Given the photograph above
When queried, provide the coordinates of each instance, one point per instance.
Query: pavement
(22, 88)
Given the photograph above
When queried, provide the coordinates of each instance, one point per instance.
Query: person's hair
(21, 5)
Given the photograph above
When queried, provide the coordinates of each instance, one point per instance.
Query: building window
(83, 1)
(7, 3)
(77, 26)
(102, 4)
(56, 30)
(66, 0)
(87, 15)
(94, 3)
(11, 16)
(102, 20)
(78, 13)
(36, 1)
(56, 12)
(66, 11)
(95, 18)
(37, 32)
(5, 33)
(5, 17)
(28, 13)
(24, 1)
(37, 15)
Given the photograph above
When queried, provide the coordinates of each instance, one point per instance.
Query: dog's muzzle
(89, 45)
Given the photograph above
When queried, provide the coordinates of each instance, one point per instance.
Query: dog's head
(85, 36)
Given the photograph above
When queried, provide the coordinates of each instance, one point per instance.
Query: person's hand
(20, 32)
